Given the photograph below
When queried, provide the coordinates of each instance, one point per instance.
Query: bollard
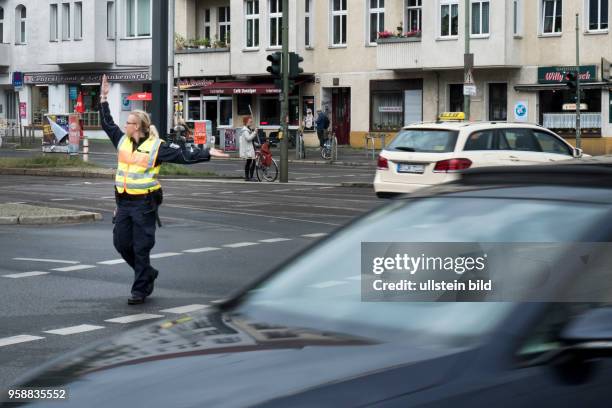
(85, 149)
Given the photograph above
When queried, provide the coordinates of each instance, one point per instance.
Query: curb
(360, 185)
(51, 219)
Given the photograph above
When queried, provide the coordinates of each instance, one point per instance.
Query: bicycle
(265, 166)
(328, 146)
(300, 149)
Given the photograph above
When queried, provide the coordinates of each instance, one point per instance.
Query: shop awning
(560, 86)
(140, 96)
(239, 88)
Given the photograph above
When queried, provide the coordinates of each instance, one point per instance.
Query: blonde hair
(146, 127)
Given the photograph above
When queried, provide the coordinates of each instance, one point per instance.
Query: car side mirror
(590, 333)
(577, 153)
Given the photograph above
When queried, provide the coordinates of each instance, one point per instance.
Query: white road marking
(198, 250)
(61, 199)
(46, 260)
(271, 240)
(240, 244)
(327, 284)
(317, 235)
(7, 341)
(217, 301)
(18, 202)
(107, 198)
(73, 268)
(74, 329)
(165, 255)
(226, 192)
(184, 309)
(25, 274)
(111, 262)
(250, 191)
(198, 194)
(325, 188)
(302, 189)
(356, 277)
(134, 318)
(280, 191)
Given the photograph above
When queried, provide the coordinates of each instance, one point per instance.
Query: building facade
(60, 49)
(375, 83)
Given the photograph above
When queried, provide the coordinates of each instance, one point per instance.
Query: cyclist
(322, 123)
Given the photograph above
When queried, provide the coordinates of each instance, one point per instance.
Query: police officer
(138, 193)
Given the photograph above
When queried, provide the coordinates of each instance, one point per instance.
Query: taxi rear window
(425, 140)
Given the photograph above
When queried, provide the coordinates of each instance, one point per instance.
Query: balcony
(5, 55)
(399, 53)
(90, 51)
(203, 62)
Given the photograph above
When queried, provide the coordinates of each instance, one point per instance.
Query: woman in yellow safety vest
(138, 193)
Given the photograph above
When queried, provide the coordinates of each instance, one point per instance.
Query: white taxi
(431, 153)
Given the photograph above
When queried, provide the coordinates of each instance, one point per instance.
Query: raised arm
(113, 131)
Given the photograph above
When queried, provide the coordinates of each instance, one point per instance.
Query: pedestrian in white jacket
(247, 149)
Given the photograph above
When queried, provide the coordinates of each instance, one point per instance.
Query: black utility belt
(137, 197)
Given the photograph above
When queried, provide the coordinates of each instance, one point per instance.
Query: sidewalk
(347, 156)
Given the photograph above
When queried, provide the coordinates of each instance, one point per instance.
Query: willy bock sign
(556, 75)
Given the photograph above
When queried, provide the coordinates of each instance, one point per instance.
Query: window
(551, 144)
(137, 18)
(412, 16)
(20, 26)
(110, 19)
(516, 28)
(483, 140)
(269, 111)
(425, 140)
(455, 99)
(276, 22)
(449, 18)
(308, 23)
(65, 21)
(598, 15)
(224, 24)
(53, 26)
(498, 101)
(480, 17)
(78, 20)
(387, 109)
(552, 10)
(377, 19)
(338, 23)
(252, 23)
(519, 139)
(1, 25)
(207, 23)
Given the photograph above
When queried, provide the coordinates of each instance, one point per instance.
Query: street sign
(17, 80)
(521, 111)
(469, 89)
(572, 106)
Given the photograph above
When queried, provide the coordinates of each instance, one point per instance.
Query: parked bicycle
(265, 166)
(300, 150)
(328, 146)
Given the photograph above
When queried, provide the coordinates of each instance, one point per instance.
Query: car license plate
(410, 168)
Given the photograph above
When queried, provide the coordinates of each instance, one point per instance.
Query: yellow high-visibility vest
(136, 170)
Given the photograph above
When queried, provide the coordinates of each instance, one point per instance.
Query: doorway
(498, 102)
(341, 114)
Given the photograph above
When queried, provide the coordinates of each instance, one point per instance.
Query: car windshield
(322, 288)
(425, 140)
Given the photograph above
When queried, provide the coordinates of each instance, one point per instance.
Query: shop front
(58, 92)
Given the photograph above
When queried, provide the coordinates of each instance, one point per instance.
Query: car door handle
(514, 158)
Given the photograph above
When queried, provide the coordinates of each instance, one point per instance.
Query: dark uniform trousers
(134, 237)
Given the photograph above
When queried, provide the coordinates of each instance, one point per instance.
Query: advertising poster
(308, 103)
(199, 133)
(56, 129)
(230, 140)
(23, 110)
(74, 133)
(126, 104)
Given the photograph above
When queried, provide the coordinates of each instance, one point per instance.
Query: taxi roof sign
(449, 116)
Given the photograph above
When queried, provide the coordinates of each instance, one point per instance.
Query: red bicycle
(265, 166)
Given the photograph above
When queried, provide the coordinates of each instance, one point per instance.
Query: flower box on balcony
(398, 39)
(201, 50)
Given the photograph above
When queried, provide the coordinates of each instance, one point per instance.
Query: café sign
(556, 75)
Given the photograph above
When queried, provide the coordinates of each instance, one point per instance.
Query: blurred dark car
(302, 336)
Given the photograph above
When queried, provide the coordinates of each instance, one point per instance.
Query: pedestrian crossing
(77, 266)
(88, 327)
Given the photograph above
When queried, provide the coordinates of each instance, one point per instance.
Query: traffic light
(294, 65)
(275, 67)
(570, 79)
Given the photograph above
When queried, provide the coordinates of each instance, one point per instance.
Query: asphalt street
(299, 172)
(63, 286)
